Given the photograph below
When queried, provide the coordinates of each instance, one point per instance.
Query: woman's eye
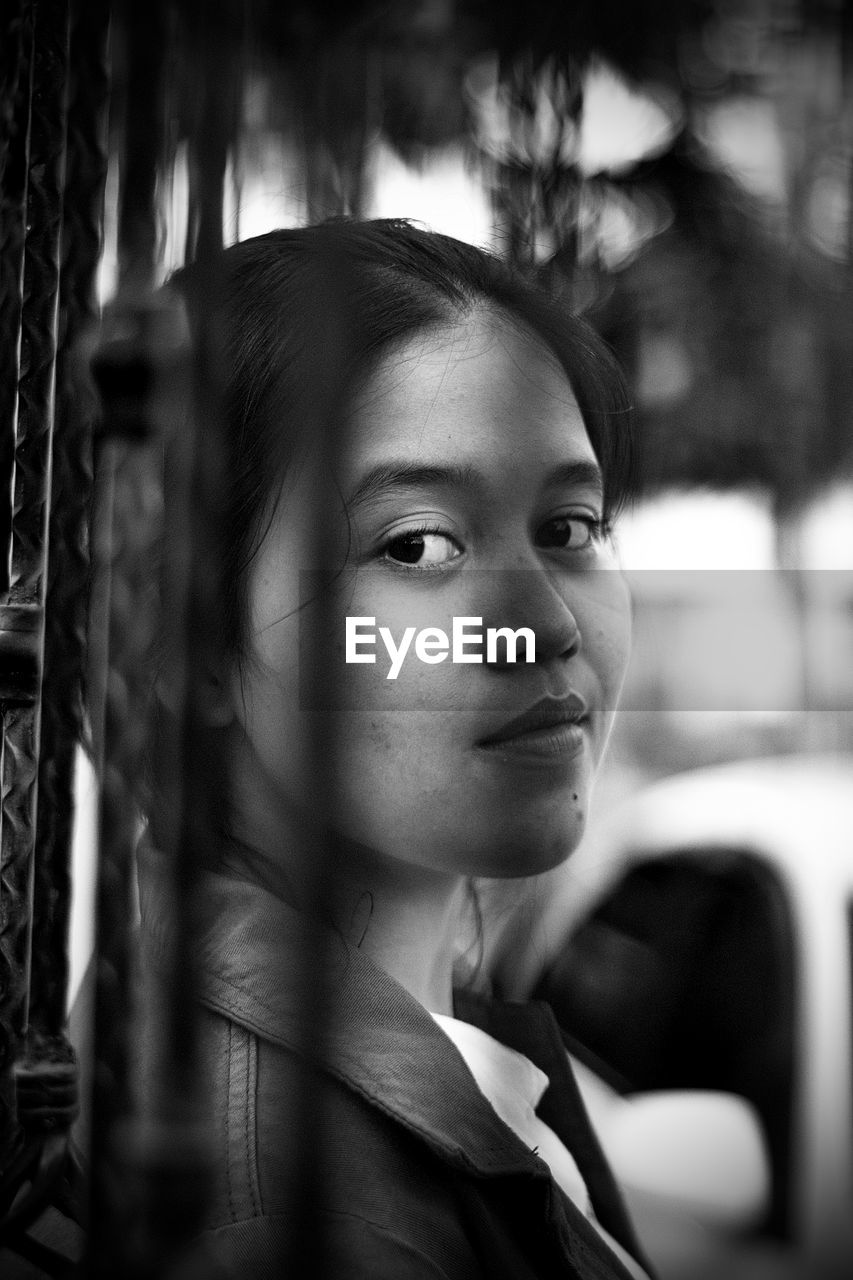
(422, 549)
(571, 533)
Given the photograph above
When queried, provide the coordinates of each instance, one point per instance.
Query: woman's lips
(552, 727)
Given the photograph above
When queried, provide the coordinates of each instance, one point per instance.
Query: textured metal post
(36, 390)
(36, 387)
(17, 66)
(68, 564)
(20, 760)
(15, 87)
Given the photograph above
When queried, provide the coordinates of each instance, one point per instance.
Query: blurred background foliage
(712, 247)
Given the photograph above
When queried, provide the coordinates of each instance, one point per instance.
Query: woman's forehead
(484, 385)
(464, 350)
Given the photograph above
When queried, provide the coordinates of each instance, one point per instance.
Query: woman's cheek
(376, 658)
(602, 607)
(622, 631)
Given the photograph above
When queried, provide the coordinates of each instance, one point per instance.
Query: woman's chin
(528, 854)
(516, 840)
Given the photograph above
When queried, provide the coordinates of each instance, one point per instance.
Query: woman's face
(470, 490)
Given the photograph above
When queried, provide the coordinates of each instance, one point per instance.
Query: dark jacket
(373, 1134)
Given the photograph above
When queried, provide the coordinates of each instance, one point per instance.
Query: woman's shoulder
(348, 1247)
(411, 1171)
(381, 1198)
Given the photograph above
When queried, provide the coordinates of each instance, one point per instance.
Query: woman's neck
(408, 924)
(405, 918)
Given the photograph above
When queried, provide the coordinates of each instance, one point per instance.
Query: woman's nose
(530, 598)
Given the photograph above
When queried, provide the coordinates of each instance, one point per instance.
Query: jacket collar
(298, 985)
(264, 966)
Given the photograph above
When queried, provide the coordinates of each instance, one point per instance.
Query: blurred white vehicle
(698, 949)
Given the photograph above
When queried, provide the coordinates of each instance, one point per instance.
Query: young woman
(389, 738)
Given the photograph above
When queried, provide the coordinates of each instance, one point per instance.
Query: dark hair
(295, 308)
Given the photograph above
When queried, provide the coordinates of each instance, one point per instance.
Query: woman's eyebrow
(583, 473)
(388, 476)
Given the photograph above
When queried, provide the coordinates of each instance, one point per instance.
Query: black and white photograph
(426, 639)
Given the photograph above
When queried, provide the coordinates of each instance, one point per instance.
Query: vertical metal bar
(190, 789)
(18, 798)
(146, 41)
(126, 532)
(14, 69)
(126, 542)
(335, 141)
(13, 215)
(65, 613)
(46, 1074)
(15, 90)
(321, 413)
(36, 390)
(190, 797)
(215, 42)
